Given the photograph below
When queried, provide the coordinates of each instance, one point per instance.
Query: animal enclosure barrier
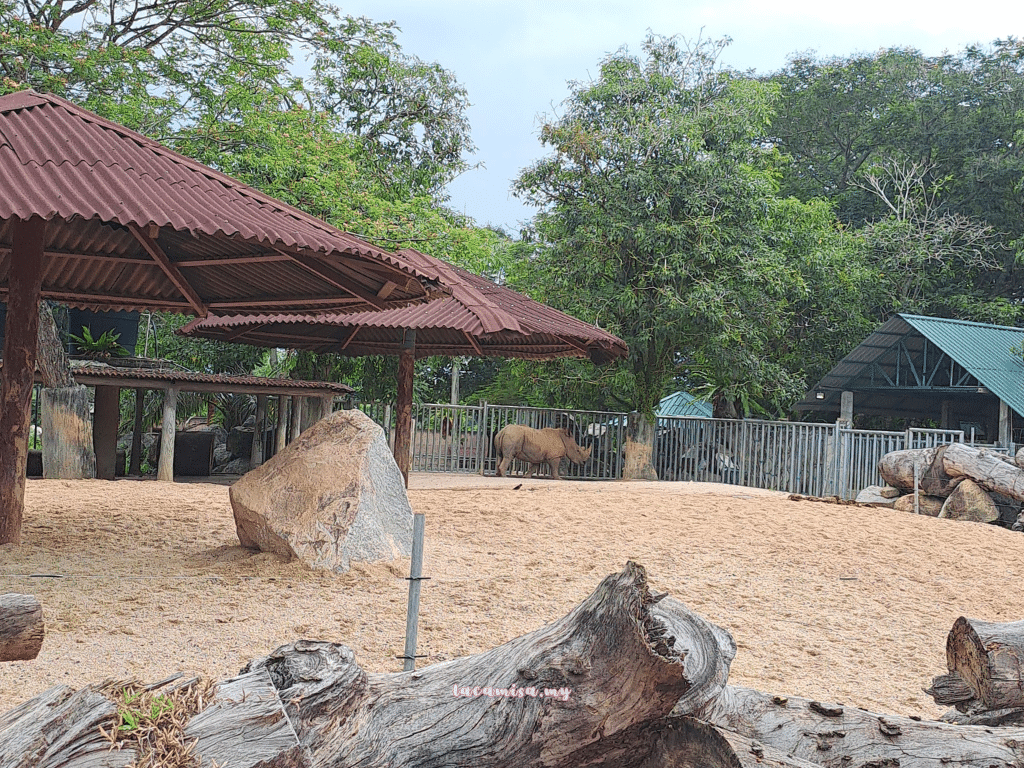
(793, 457)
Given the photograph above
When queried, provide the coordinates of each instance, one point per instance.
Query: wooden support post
(326, 406)
(1004, 424)
(946, 421)
(135, 468)
(403, 418)
(296, 420)
(106, 416)
(846, 408)
(281, 435)
(258, 432)
(24, 284)
(165, 470)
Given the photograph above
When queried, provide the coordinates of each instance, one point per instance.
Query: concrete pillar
(1004, 424)
(846, 407)
(165, 470)
(946, 421)
(281, 435)
(106, 417)
(256, 451)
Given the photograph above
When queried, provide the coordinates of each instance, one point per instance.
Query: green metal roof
(684, 404)
(983, 350)
(981, 354)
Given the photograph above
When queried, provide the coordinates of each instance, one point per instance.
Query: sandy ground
(847, 604)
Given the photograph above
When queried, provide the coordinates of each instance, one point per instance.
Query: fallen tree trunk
(611, 663)
(986, 469)
(989, 659)
(897, 468)
(836, 736)
(21, 627)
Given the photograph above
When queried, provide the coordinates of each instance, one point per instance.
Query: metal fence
(804, 458)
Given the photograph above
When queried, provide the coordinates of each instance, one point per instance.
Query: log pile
(955, 481)
(627, 679)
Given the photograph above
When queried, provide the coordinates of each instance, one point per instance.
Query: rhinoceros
(536, 446)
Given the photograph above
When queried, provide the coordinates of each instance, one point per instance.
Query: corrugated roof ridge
(154, 146)
(957, 321)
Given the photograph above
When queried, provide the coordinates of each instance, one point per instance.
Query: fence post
(483, 441)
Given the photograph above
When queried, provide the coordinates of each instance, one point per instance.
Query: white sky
(515, 58)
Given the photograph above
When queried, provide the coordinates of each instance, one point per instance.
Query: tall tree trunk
(638, 463)
(68, 449)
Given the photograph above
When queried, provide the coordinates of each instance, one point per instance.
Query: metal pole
(917, 489)
(415, 577)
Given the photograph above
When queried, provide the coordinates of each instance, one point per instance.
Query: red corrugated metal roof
(241, 250)
(479, 317)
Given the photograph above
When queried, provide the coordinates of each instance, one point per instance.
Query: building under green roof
(961, 374)
(684, 404)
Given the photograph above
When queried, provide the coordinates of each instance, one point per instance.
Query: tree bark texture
(638, 462)
(986, 469)
(24, 283)
(21, 627)
(837, 736)
(168, 430)
(989, 658)
(52, 362)
(67, 434)
(60, 728)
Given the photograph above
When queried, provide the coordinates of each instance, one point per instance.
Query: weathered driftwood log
(934, 479)
(986, 469)
(60, 728)
(611, 663)
(837, 736)
(989, 658)
(21, 627)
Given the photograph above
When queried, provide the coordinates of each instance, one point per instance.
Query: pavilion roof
(479, 318)
(142, 226)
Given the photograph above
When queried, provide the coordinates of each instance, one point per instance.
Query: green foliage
(922, 156)
(105, 346)
(661, 221)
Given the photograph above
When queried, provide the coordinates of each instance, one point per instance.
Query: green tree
(659, 214)
(851, 124)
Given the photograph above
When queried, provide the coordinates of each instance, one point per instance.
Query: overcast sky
(515, 58)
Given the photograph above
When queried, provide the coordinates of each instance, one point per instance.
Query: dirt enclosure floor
(839, 603)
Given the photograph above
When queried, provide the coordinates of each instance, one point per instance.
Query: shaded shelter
(960, 374)
(95, 215)
(478, 319)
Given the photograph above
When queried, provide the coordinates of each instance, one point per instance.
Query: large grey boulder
(333, 496)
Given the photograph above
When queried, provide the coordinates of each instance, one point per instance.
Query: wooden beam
(387, 289)
(53, 254)
(403, 417)
(170, 269)
(473, 343)
(289, 301)
(106, 300)
(259, 258)
(24, 280)
(339, 276)
(351, 336)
